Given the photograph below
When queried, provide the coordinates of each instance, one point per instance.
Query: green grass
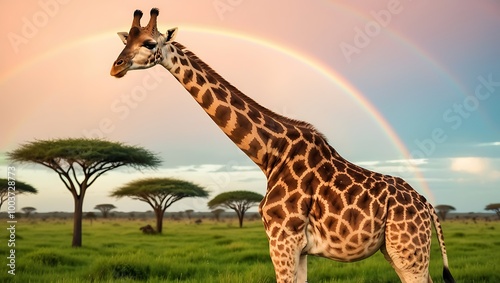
(116, 251)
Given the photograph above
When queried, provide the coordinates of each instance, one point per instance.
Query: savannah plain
(114, 250)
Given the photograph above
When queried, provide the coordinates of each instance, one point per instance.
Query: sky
(405, 88)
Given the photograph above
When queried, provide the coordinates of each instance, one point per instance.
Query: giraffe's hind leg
(406, 275)
(408, 257)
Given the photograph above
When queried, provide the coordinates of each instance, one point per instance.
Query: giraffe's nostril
(119, 62)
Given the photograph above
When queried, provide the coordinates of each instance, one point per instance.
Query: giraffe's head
(144, 46)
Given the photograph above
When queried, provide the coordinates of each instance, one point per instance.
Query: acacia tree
(79, 162)
(217, 213)
(90, 216)
(159, 193)
(239, 201)
(19, 189)
(189, 212)
(105, 208)
(28, 210)
(495, 207)
(443, 210)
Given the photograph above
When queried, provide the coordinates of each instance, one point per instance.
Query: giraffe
(317, 202)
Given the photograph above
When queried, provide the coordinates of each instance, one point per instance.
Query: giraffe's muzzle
(119, 68)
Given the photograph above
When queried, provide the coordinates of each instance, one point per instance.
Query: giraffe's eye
(149, 44)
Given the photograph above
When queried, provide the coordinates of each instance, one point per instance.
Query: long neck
(253, 128)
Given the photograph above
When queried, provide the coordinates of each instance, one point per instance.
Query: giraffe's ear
(123, 36)
(171, 33)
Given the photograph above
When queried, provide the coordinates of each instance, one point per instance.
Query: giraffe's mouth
(120, 68)
(118, 73)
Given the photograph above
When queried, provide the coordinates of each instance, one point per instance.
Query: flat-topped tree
(105, 208)
(20, 189)
(28, 210)
(159, 193)
(239, 201)
(79, 162)
(90, 216)
(189, 213)
(217, 213)
(443, 209)
(495, 207)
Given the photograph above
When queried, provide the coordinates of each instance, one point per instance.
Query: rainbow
(408, 43)
(324, 69)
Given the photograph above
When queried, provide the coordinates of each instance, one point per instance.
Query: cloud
(472, 165)
(368, 163)
(497, 143)
(396, 167)
(410, 162)
(485, 167)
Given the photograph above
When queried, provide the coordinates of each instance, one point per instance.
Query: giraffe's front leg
(302, 274)
(290, 265)
(285, 226)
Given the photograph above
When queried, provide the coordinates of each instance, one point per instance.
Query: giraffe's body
(316, 202)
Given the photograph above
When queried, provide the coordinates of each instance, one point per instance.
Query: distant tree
(159, 193)
(79, 162)
(131, 215)
(443, 210)
(105, 208)
(177, 215)
(239, 201)
(20, 188)
(495, 207)
(90, 216)
(28, 210)
(189, 212)
(217, 213)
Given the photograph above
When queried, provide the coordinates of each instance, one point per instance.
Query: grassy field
(116, 251)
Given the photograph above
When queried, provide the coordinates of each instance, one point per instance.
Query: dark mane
(248, 100)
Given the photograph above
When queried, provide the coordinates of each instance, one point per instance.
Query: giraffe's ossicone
(316, 201)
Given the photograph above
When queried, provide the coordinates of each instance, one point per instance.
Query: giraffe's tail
(448, 278)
